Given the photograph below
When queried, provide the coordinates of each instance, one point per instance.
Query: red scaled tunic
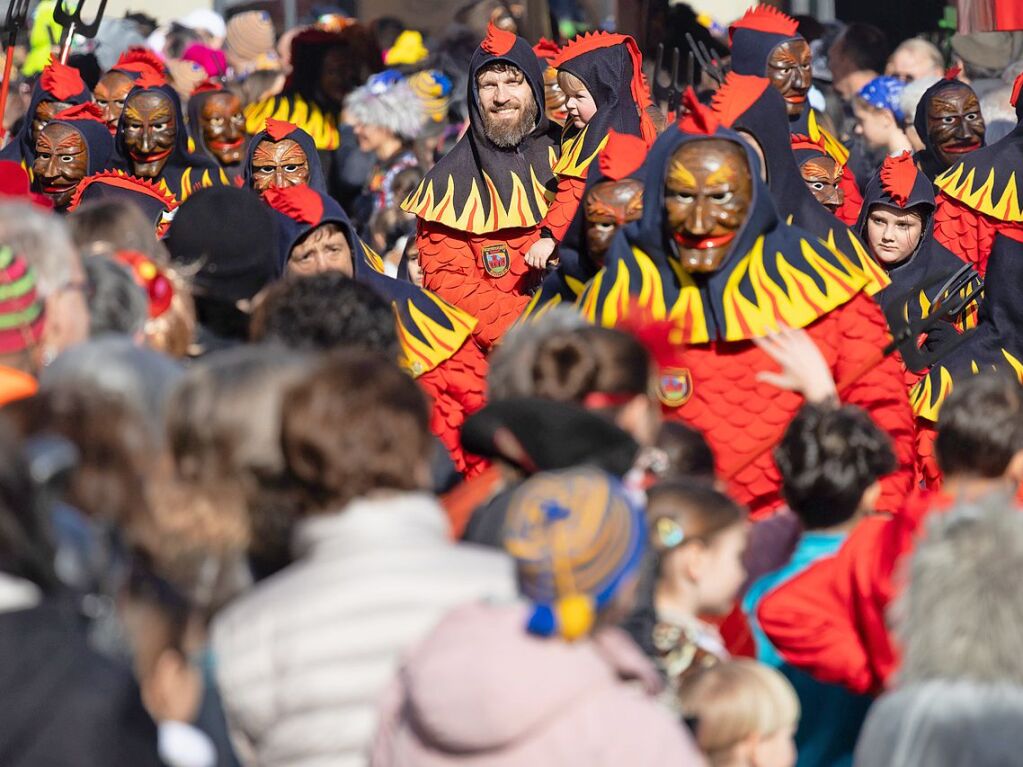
(740, 416)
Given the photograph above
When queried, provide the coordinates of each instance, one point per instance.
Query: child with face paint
(710, 253)
(601, 77)
(879, 115)
(74, 145)
(152, 141)
(58, 87)
(950, 124)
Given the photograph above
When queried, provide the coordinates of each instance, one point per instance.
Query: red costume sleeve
(881, 391)
(457, 387)
(454, 271)
(964, 231)
(849, 211)
(564, 206)
(930, 474)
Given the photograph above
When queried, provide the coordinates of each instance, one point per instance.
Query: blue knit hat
(576, 537)
(883, 93)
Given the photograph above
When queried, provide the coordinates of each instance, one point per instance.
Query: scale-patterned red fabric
(964, 231)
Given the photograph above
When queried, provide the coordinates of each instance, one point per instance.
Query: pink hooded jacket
(481, 692)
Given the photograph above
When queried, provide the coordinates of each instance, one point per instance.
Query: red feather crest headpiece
(898, 176)
(139, 59)
(150, 79)
(88, 111)
(736, 95)
(766, 18)
(278, 129)
(952, 73)
(589, 41)
(621, 156)
(697, 118)
(498, 41)
(546, 50)
(801, 141)
(207, 86)
(299, 203)
(61, 81)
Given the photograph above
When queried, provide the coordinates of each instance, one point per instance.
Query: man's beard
(509, 135)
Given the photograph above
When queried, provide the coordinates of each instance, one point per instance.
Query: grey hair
(944, 724)
(396, 108)
(42, 239)
(999, 115)
(511, 363)
(117, 304)
(961, 615)
(912, 93)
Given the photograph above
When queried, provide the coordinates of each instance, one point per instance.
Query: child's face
(723, 573)
(875, 125)
(579, 104)
(777, 750)
(893, 234)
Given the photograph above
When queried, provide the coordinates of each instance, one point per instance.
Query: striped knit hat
(576, 537)
(21, 308)
(249, 35)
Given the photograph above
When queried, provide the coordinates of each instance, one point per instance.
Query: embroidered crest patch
(496, 260)
(675, 386)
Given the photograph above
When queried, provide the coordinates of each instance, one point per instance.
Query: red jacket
(831, 619)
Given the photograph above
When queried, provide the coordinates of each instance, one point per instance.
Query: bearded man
(482, 206)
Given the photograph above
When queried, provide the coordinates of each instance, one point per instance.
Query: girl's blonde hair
(570, 82)
(733, 700)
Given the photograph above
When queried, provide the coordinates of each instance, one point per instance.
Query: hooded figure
(217, 128)
(752, 107)
(58, 87)
(946, 142)
(766, 43)
(278, 151)
(982, 195)
(152, 141)
(900, 186)
(156, 203)
(115, 85)
(435, 337)
(710, 254)
(74, 145)
(481, 207)
(612, 198)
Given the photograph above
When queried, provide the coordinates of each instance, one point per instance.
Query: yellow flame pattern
(835, 148)
(572, 163)
(321, 125)
(928, 395)
(980, 195)
(441, 342)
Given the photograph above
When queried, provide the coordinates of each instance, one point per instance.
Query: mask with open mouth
(707, 196)
(223, 127)
(150, 131)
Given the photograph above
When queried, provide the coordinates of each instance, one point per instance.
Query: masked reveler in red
(601, 76)
(612, 199)
(757, 111)
(766, 43)
(710, 254)
(217, 126)
(73, 145)
(981, 197)
(437, 348)
(950, 124)
(58, 87)
(283, 155)
(152, 141)
(115, 84)
(481, 207)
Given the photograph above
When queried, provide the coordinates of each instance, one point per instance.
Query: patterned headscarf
(884, 93)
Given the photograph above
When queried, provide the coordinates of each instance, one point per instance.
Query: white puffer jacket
(303, 658)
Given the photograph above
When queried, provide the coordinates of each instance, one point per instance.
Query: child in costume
(602, 78)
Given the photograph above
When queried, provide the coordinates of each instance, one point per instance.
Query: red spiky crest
(123, 180)
(586, 42)
(498, 41)
(137, 59)
(546, 50)
(150, 79)
(898, 175)
(736, 95)
(1016, 88)
(278, 129)
(952, 73)
(801, 141)
(765, 18)
(299, 203)
(61, 81)
(621, 156)
(696, 117)
(207, 86)
(88, 111)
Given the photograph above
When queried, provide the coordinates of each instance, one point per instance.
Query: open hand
(803, 367)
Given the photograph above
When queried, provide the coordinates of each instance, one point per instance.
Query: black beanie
(226, 239)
